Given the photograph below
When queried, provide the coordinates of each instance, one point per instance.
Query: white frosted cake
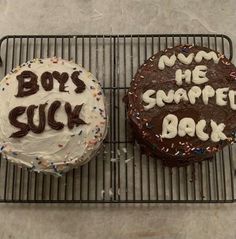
(52, 117)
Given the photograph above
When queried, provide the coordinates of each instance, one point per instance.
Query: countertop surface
(165, 221)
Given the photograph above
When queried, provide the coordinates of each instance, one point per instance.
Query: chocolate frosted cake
(53, 115)
(181, 104)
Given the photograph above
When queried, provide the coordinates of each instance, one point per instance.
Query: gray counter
(117, 221)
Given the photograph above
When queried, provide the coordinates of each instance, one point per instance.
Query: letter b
(169, 126)
(27, 87)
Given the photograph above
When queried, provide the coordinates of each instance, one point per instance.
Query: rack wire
(119, 173)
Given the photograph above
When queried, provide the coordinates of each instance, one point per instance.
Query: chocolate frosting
(26, 88)
(147, 125)
(13, 115)
(73, 115)
(47, 81)
(51, 116)
(42, 118)
(62, 78)
(79, 83)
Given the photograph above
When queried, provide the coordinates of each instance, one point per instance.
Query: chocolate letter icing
(13, 114)
(62, 79)
(51, 116)
(73, 116)
(47, 81)
(42, 118)
(26, 88)
(79, 83)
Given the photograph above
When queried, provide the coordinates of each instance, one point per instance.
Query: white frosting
(170, 61)
(200, 130)
(199, 75)
(161, 96)
(217, 134)
(165, 60)
(194, 93)
(185, 59)
(232, 95)
(180, 94)
(207, 92)
(148, 99)
(179, 76)
(207, 56)
(221, 96)
(186, 126)
(169, 126)
(53, 150)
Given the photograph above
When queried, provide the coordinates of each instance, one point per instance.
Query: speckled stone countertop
(117, 221)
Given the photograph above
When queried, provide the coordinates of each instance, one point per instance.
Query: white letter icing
(199, 130)
(161, 96)
(199, 75)
(221, 96)
(207, 92)
(165, 60)
(217, 134)
(207, 56)
(179, 76)
(149, 100)
(180, 94)
(232, 94)
(185, 59)
(169, 126)
(194, 93)
(186, 126)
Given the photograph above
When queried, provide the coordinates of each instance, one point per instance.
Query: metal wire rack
(129, 177)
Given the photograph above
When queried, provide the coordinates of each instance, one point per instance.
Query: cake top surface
(53, 115)
(182, 101)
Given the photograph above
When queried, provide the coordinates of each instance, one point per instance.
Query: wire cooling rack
(119, 173)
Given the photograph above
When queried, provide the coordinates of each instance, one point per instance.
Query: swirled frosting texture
(52, 150)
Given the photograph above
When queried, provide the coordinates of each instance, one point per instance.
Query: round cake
(53, 116)
(181, 104)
